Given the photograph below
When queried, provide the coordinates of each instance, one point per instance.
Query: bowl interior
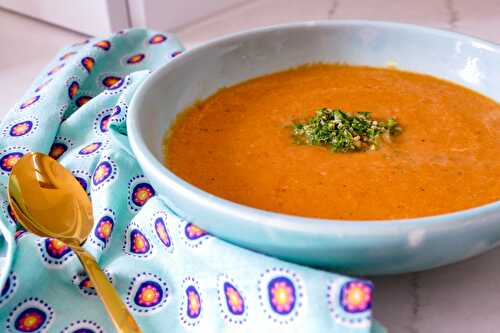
(202, 71)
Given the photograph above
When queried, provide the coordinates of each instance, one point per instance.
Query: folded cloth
(172, 275)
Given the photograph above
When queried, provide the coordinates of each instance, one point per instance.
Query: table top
(458, 298)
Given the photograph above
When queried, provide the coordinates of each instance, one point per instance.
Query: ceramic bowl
(361, 247)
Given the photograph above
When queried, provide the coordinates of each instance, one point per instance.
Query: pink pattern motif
(103, 44)
(157, 39)
(102, 172)
(234, 300)
(142, 193)
(136, 58)
(21, 128)
(8, 161)
(356, 296)
(57, 150)
(149, 294)
(282, 294)
(193, 302)
(29, 102)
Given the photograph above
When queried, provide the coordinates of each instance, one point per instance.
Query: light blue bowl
(360, 247)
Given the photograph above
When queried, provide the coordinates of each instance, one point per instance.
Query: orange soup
(237, 144)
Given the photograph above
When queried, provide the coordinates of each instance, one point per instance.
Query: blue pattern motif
(138, 242)
(234, 300)
(147, 293)
(161, 232)
(9, 288)
(193, 305)
(29, 102)
(104, 172)
(21, 128)
(8, 160)
(104, 228)
(30, 315)
(281, 293)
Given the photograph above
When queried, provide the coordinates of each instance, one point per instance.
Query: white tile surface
(430, 13)
(255, 14)
(89, 16)
(26, 47)
(479, 18)
(464, 297)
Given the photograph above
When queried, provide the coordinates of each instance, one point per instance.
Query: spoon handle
(118, 312)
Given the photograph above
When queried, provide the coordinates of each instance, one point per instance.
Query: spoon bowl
(42, 191)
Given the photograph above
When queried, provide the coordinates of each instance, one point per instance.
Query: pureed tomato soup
(237, 144)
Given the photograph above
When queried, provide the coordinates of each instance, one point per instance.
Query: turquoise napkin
(173, 276)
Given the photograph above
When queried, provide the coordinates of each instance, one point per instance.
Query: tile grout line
(333, 8)
(214, 15)
(415, 302)
(453, 14)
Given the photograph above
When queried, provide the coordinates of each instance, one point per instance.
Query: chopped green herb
(343, 132)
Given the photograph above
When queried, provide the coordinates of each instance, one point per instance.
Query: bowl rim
(282, 220)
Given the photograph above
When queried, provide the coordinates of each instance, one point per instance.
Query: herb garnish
(343, 132)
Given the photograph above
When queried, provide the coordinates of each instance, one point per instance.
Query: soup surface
(237, 145)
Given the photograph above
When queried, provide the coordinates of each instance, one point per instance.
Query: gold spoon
(49, 202)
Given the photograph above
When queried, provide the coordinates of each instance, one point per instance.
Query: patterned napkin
(173, 276)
